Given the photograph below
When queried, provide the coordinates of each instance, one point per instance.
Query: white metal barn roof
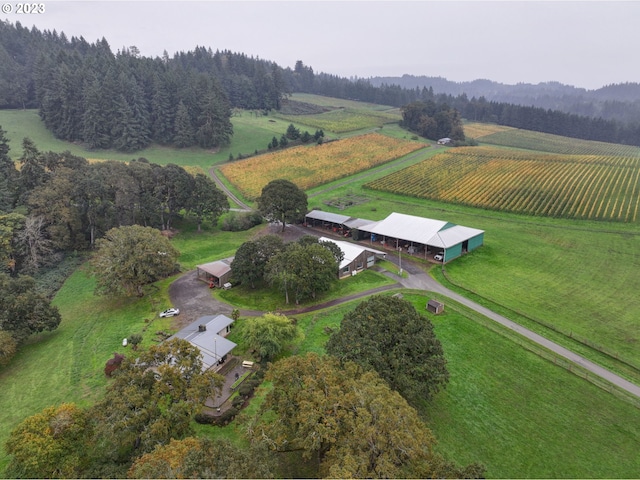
(453, 236)
(328, 216)
(407, 227)
(350, 250)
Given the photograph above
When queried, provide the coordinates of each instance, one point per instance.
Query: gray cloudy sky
(586, 44)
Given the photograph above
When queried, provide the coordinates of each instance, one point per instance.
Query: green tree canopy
(269, 334)
(389, 336)
(24, 311)
(128, 258)
(153, 399)
(49, 444)
(282, 201)
(207, 201)
(303, 269)
(249, 264)
(347, 420)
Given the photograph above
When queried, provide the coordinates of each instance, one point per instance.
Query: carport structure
(424, 236)
(215, 273)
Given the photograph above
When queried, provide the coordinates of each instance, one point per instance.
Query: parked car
(438, 257)
(170, 312)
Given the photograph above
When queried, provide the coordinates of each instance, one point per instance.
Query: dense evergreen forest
(620, 102)
(88, 94)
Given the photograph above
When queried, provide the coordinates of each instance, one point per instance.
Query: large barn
(437, 239)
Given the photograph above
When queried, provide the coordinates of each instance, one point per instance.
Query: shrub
(204, 418)
(225, 418)
(237, 222)
(113, 364)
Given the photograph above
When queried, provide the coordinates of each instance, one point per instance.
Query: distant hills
(612, 102)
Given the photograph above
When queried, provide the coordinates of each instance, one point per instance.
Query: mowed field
(590, 187)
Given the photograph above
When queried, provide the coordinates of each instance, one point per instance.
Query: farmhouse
(208, 334)
(444, 141)
(437, 239)
(217, 273)
(356, 257)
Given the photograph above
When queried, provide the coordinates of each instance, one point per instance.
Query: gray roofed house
(208, 334)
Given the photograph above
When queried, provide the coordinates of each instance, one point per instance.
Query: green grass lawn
(515, 412)
(67, 365)
(251, 133)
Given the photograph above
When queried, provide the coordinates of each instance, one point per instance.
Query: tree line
(125, 101)
(86, 93)
(59, 202)
(547, 120)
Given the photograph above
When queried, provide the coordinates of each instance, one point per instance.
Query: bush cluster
(240, 221)
(217, 420)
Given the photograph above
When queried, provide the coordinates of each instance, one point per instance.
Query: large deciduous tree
(303, 269)
(281, 200)
(49, 444)
(249, 264)
(24, 311)
(207, 200)
(347, 420)
(389, 336)
(269, 334)
(203, 458)
(128, 258)
(152, 400)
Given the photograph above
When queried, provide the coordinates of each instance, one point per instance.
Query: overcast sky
(585, 44)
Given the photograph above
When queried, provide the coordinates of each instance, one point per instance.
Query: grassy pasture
(344, 120)
(344, 115)
(547, 142)
(336, 103)
(67, 365)
(508, 408)
(251, 133)
(311, 165)
(568, 186)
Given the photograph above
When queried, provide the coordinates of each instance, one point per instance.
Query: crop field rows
(309, 166)
(546, 142)
(565, 186)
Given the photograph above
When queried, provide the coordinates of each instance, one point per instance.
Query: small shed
(216, 273)
(434, 306)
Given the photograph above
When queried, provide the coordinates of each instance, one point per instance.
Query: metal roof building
(207, 333)
(356, 257)
(419, 234)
